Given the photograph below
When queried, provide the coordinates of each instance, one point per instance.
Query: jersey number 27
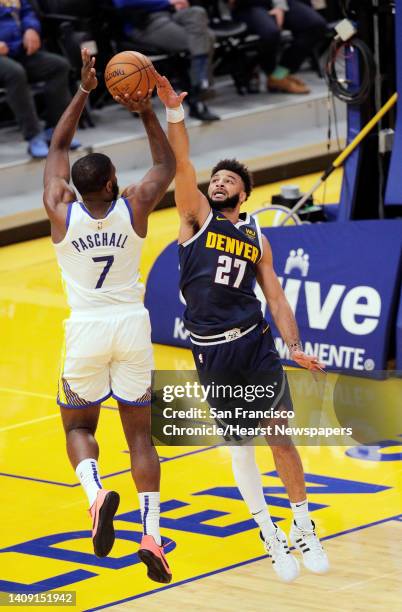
(224, 269)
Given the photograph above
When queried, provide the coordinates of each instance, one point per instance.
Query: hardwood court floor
(216, 555)
(366, 567)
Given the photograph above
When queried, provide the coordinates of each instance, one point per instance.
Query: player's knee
(242, 455)
(78, 429)
(281, 446)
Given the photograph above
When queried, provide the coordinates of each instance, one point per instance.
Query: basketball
(129, 72)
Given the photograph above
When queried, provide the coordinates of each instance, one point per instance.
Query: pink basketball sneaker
(102, 512)
(154, 558)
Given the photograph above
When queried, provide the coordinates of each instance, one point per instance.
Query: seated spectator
(22, 61)
(267, 18)
(173, 26)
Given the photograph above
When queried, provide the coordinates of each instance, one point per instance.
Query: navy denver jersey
(217, 275)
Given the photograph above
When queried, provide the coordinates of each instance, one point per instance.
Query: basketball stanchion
(342, 156)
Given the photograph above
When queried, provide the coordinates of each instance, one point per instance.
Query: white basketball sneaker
(307, 542)
(285, 565)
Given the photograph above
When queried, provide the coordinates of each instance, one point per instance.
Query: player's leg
(130, 373)
(83, 386)
(145, 466)
(83, 451)
(239, 353)
(290, 470)
(265, 368)
(248, 480)
(80, 426)
(145, 469)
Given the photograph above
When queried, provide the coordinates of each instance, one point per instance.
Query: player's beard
(229, 204)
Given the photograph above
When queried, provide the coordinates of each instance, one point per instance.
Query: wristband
(175, 115)
(84, 90)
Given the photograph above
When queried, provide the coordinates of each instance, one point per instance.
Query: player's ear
(109, 186)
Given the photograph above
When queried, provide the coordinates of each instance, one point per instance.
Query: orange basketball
(129, 72)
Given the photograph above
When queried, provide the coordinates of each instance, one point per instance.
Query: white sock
(88, 475)
(248, 480)
(150, 508)
(301, 514)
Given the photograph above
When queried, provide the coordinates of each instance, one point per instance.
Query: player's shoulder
(247, 218)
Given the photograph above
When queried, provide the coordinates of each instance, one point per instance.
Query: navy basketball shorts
(245, 378)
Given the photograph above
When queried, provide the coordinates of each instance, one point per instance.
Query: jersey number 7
(109, 260)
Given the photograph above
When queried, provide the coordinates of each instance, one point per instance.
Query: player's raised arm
(192, 205)
(281, 311)
(145, 195)
(57, 169)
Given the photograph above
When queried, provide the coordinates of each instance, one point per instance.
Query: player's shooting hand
(88, 72)
(31, 41)
(4, 48)
(166, 93)
(136, 104)
(307, 361)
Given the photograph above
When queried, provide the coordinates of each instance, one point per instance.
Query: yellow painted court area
(216, 556)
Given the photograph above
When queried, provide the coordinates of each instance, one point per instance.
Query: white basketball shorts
(107, 354)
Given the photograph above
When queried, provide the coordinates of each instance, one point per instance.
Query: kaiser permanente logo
(298, 260)
(359, 314)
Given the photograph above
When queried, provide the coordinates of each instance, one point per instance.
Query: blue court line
(398, 517)
(163, 460)
(77, 484)
(60, 484)
(194, 452)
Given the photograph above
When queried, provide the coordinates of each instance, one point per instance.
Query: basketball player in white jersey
(108, 352)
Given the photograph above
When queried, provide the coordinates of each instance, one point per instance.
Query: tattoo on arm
(295, 346)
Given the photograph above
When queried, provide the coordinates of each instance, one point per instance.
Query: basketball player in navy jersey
(222, 253)
(108, 351)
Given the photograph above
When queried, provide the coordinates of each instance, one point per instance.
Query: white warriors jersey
(99, 258)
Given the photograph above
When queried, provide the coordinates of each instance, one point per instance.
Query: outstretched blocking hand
(166, 93)
(307, 361)
(88, 72)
